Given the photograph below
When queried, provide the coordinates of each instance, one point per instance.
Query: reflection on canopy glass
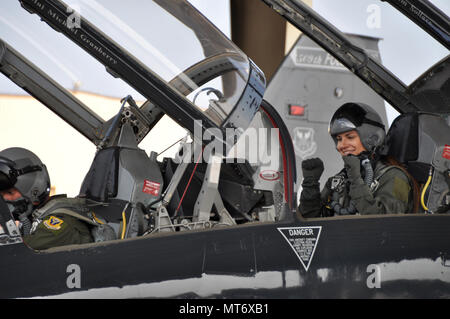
(176, 42)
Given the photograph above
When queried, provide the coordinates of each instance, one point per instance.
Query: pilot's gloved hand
(364, 155)
(312, 170)
(352, 165)
(310, 203)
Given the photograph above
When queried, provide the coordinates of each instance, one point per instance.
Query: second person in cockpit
(369, 182)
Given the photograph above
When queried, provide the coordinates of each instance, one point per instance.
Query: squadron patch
(53, 223)
(303, 241)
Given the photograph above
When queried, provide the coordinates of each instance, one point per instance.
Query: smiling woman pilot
(368, 183)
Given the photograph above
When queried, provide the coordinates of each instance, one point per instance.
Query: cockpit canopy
(172, 40)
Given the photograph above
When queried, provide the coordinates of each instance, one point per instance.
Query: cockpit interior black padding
(101, 181)
(402, 140)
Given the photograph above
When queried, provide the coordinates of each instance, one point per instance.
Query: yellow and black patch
(53, 223)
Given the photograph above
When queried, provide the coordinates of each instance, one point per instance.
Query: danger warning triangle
(303, 241)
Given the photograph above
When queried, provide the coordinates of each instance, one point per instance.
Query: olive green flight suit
(59, 230)
(390, 194)
(59, 226)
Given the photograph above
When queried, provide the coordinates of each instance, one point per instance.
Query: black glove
(352, 165)
(312, 169)
(310, 205)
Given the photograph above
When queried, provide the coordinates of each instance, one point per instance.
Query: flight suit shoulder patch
(53, 223)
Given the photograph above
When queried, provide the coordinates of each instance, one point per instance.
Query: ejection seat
(420, 141)
(120, 183)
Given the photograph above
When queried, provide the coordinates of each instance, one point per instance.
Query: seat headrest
(402, 139)
(101, 182)
(417, 140)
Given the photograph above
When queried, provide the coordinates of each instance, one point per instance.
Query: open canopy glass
(174, 41)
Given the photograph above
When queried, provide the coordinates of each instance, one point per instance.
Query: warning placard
(446, 153)
(303, 241)
(151, 188)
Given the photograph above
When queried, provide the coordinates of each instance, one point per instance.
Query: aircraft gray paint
(311, 78)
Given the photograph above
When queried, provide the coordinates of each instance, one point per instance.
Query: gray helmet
(363, 119)
(27, 173)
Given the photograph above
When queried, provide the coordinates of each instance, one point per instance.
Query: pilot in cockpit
(369, 183)
(25, 190)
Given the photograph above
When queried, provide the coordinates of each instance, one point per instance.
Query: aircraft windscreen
(178, 44)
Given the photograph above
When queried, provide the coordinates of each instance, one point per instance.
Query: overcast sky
(405, 48)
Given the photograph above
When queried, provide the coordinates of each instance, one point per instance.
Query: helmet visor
(341, 125)
(7, 177)
(351, 116)
(9, 174)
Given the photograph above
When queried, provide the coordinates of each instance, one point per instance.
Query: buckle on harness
(336, 181)
(374, 186)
